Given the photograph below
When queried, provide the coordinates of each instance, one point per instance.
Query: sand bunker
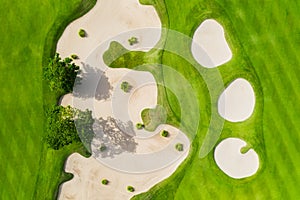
(232, 162)
(209, 46)
(237, 101)
(66, 100)
(130, 153)
(107, 19)
(88, 173)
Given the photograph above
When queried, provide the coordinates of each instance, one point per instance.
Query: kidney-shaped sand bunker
(232, 162)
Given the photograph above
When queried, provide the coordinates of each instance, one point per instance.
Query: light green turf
(264, 38)
(27, 169)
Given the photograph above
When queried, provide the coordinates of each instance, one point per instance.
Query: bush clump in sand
(125, 86)
(179, 147)
(130, 188)
(74, 56)
(133, 41)
(102, 148)
(139, 126)
(82, 33)
(104, 181)
(164, 133)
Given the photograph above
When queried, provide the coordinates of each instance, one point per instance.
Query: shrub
(61, 129)
(125, 86)
(179, 147)
(139, 126)
(132, 41)
(165, 133)
(130, 188)
(104, 181)
(60, 74)
(82, 33)
(74, 56)
(102, 148)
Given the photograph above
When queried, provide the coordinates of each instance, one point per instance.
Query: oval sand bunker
(237, 101)
(232, 162)
(209, 46)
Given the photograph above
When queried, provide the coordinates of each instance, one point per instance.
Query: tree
(84, 125)
(61, 129)
(60, 74)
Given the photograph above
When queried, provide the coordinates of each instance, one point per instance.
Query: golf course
(210, 89)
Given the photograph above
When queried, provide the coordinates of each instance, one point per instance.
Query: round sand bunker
(232, 162)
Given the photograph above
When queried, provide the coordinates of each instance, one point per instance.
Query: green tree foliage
(61, 129)
(60, 74)
(84, 124)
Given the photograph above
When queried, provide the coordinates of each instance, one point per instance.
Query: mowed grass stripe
(25, 26)
(291, 141)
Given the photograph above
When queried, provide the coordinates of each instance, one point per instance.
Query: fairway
(264, 54)
(28, 170)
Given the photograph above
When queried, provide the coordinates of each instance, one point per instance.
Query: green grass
(29, 32)
(264, 38)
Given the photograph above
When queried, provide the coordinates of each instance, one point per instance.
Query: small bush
(104, 181)
(130, 188)
(139, 126)
(74, 56)
(132, 41)
(82, 33)
(102, 148)
(179, 147)
(165, 133)
(125, 86)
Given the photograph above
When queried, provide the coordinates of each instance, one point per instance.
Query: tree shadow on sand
(113, 137)
(92, 82)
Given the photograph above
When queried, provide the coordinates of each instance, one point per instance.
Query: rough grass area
(30, 31)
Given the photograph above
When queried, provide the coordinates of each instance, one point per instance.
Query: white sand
(237, 101)
(232, 162)
(155, 158)
(88, 173)
(66, 100)
(107, 19)
(209, 46)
